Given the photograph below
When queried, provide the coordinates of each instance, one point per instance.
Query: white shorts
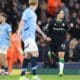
(3, 50)
(30, 45)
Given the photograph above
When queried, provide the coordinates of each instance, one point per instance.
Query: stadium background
(14, 9)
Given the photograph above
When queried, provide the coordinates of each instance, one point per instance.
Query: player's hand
(18, 34)
(71, 25)
(20, 51)
(48, 39)
(44, 36)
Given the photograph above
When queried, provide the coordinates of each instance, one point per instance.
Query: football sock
(34, 65)
(61, 65)
(24, 66)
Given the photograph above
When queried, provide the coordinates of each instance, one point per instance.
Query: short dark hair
(33, 2)
(59, 10)
(3, 14)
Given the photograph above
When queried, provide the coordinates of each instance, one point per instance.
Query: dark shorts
(57, 46)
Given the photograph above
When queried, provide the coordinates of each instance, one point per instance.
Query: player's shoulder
(64, 22)
(52, 21)
(27, 11)
(7, 25)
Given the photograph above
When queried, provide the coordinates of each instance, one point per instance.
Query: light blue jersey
(29, 28)
(5, 29)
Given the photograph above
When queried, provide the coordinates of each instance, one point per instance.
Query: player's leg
(31, 50)
(5, 63)
(61, 62)
(1, 61)
(34, 60)
(0, 68)
(10, 66)
(10, 59)
(24, 66)
(3, 52)
(21, 58)
(26, 59)
(61, 54)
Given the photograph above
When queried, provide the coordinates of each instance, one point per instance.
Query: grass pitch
(44, 77)
(15, 76)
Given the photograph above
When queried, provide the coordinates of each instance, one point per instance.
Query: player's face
(2, 18)
(61, 14)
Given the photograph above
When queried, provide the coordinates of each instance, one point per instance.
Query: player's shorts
(57, 46)
(3, 49)
(30, 45)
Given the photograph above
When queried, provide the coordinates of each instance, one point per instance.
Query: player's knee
(35, 54)
(27, 56)
(61, 54)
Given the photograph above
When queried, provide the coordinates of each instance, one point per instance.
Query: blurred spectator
(71, 6)
(76, 55)
(72, 45)
(66, 12)
(67, 42)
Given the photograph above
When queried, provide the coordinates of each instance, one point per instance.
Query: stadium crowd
(14, 9)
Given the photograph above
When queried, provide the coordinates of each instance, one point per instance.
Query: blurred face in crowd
(74, 15)
(2, 19)
(68, 36)
(43, 6)
(60, 14)
(77, 6)
(71, 3)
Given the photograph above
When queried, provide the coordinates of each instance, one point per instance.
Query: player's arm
(69, 26)
(22, 21)
(9, 31)
(10, 35)
(20, 26)
(48, 28)
(42, 33)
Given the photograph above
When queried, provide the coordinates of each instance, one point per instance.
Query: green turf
(44, 77)
(45, 74)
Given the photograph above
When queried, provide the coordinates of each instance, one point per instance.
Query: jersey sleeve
(9, 29)
(25, 15)
(67, 27)
(50, 26)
